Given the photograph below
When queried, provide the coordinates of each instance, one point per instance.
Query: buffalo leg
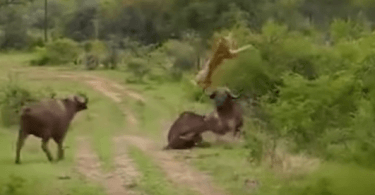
(46, 150)
(20, 142)
(236, 134)
(60, 151)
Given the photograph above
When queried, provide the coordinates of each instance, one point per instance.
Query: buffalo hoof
(166, 148)
(17, 162)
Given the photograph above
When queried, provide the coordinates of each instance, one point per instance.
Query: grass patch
(163, 104)
(230, 169)
(334, 179)
(36, 174)
(12, 60)
(153, 180)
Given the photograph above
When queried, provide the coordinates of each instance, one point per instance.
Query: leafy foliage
(14, 96)
(60, 51)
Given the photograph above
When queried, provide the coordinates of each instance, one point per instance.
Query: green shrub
(318, 106)
(57, 52)
(317, 96)
(183, 55)
(91, 61)
(346, 30)
(333, 179)
(14, 96)
(193, 92)
(36, 42)
(139, 69)
(247, 73)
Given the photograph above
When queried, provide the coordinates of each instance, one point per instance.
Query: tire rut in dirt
(88, 165)
(124, 165)
(177, 171)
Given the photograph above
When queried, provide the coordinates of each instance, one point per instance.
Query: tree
(4, 3)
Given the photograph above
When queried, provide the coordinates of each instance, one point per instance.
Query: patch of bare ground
(125, 171)
(98, 85)
(177, 171)
(115, 96)
(118, 87)
(48, 74)
(88, 164)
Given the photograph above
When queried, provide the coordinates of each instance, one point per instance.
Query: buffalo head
(222, 96)
(79, 102)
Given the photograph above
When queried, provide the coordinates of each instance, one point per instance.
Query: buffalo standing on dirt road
(49, 119)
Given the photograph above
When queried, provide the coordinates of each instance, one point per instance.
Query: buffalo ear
(213, 95)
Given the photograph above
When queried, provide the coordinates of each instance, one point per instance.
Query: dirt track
(116, 183)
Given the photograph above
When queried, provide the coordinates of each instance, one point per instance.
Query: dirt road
(118, 182)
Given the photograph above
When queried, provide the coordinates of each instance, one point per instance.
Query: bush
(193, 92)
(60, 51)
(346, 30)
(248, 73)
(91, 61)
(318, 97)
(175, 74)
(319, 106)
(183, 54)
(139, 69)
(14, 96)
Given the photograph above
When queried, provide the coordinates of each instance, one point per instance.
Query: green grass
(153, 181)
(228, 166)
(163, 104)
(334, 179)
(36, 174)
